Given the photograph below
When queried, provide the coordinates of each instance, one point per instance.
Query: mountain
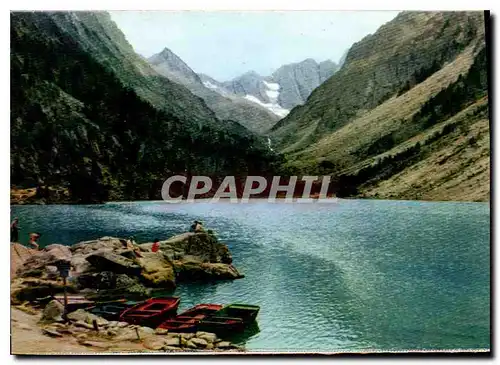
(298, 80)
(411, 120)
(289, 86)
(252, 116)
(169, 64)
(90, 115)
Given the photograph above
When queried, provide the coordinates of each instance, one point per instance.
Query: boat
(75, 302)
(151, 312)
(221, 326)
(112, 310)
(248, 313)
(188, 321)
(232, 318)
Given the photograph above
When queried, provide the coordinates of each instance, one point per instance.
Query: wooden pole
(65, 316)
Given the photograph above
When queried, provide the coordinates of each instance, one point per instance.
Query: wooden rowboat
(232, 318)
(248, 313)
(151, 312)
(188, 321)
(222, 326)
(111, 310)
(75, 302)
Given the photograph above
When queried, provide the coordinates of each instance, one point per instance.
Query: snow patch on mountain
(273, 107)
(210, 85)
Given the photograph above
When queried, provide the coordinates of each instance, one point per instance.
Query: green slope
(372, 120)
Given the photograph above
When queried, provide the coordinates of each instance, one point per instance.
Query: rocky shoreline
(109, 268)
(85, 332)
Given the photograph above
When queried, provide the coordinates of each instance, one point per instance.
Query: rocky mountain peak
(168, 63)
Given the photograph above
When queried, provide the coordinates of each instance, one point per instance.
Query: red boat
(188, 321)
(151, 312)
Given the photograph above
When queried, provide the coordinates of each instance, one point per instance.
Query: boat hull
(152, 312)
(188, 321)
(248, 313)
(222, 326)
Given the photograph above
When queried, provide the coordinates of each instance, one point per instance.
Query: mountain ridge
(254, 117)
(287, 86)
(416, 64)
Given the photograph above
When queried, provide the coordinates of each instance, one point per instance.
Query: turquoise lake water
(348, 276)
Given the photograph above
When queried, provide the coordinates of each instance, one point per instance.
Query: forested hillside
(92, 117)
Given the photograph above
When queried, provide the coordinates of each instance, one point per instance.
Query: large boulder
(97, 280)
(108, 261)
(18, 255)
(113, 285)
(86, 317)
(203, 271)
(157, 271)
(103, 244)
(204, 246)
(35, 264)
(31, 289)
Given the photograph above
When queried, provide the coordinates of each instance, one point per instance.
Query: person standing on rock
(131, 246)
(156, 245)
(14, 230)
(34, 240)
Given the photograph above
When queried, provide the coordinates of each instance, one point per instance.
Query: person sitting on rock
(197, 226)
(34, 240)
(156, 245)
(14, 230)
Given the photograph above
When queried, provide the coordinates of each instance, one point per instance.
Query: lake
(346, 276)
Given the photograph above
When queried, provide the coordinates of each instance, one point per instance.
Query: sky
(225, 45)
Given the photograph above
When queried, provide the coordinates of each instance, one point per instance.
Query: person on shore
(196, 227)
(14, 230)
(156, 245)
(34, 240)
(131, 246)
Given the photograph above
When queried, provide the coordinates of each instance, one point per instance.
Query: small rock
(187, 336)
(207, 336)
(172, 341)
(199, 342)
(170, 348)
(210, 346)
(190, 345)
(111, 333)
(67, 331)
(183, 341)
(161, 331)
(51, 332)
(83, 324)
(122, 324)
(96, 344)
(126, 334)
(148, 330)
(224, 345)
(58, 325)
(154, 343)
